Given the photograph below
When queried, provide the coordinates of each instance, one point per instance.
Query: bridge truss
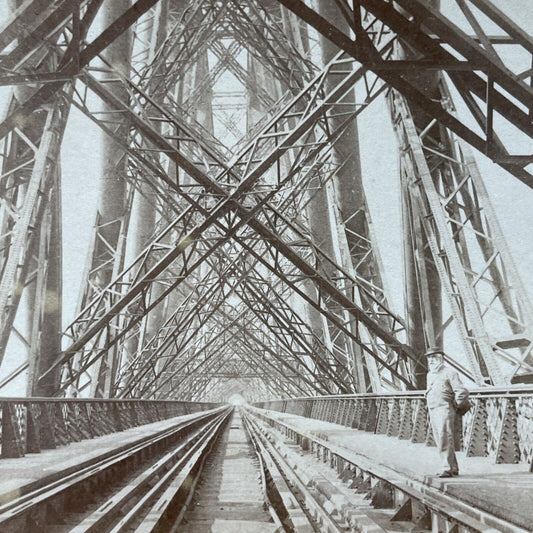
(233, 249)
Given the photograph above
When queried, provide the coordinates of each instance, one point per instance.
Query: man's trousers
(442, 422)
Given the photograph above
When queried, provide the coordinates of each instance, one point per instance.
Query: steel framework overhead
(254, 262)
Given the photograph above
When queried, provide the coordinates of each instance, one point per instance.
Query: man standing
(446, 395)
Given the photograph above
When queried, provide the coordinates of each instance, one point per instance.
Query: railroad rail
(131, 489)
(307, 482)
(298, 508)
(361, 495)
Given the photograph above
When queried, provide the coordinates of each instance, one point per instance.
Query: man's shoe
(446, 473)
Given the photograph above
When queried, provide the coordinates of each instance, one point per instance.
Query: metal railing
(499, 425)
(30, 425)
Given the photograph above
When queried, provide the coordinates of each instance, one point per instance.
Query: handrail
(498, 425)
(32, 424)
(511, 390)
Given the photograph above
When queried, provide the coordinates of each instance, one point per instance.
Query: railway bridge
(231, 231)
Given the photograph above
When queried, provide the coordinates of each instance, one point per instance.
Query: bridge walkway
(229, 495)
(502, 490)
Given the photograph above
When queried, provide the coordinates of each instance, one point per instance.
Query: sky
(512, 200)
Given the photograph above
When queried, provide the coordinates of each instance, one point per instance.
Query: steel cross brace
(208, 359)
(188, 38)
(36, 28)
(44, 137)
(249, 363)
(449, 215)
(24, 236)
(174, 325)
(72, 66)
(193, 170)
(196, 356)
(289, 354)
(179, 326)
(142, 358)
(416, 33)
(322, 365)
(279, 384)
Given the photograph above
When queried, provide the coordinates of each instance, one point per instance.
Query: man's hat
(434, 351)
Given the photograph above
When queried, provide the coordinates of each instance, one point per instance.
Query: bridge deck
(229, 498)
(504, 490)
(21, 475)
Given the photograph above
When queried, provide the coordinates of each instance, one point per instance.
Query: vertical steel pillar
(349, 197)
(422, 285)
(112, 185)
(46, 333)
(145, 211)
(321, 230)
(111, 191)
(43, 296)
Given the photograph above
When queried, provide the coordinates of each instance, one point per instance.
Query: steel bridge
(235, 330)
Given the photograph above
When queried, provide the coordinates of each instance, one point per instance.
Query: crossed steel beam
(441, 45)
(173, 330)
(495, 99)
(191, 169)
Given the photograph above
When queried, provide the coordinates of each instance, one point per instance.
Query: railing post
(393, 427)
(33, 434)
(420, 426)
(12, 439)
(338, 410)
(383, 417)
(72, 422)
(430, 439)
(60, 424)
(114, 407)
(371, 419)
(363, 414)
(85, 425)
(479, 434)
(354, 422)
(47, 426)
(308, 408)
(406, 424)
(508, 449)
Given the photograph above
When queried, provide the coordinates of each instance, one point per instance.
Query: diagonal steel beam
(435, 55)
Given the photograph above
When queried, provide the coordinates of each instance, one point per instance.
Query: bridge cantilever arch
(229, 232)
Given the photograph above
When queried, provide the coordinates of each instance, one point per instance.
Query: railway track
(360, 496)
(131, 489)
(235, 470)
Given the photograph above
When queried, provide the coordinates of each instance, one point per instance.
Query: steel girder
(479, 75)
(287, 52)
(72, 63)
(23, 212)
(174, 330)
(172, 334)
(400, 66)
(253, 175)
(488, 302)
(51, 36)
(30, 217)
